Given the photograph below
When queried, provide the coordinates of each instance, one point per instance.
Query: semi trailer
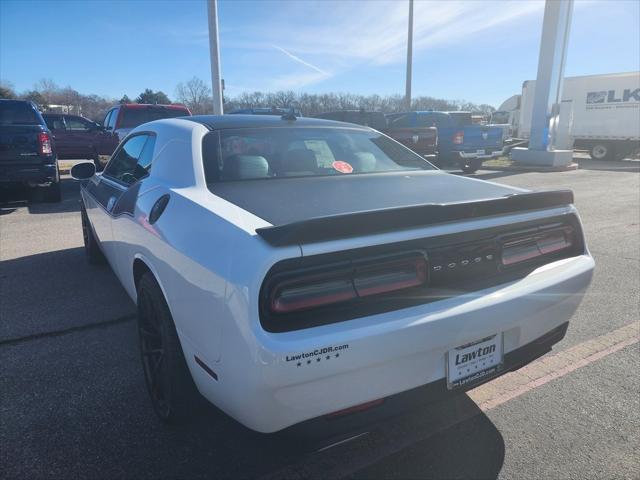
(603, 113)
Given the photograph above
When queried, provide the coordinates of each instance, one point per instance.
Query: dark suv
(27, 152)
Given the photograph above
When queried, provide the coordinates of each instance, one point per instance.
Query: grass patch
(498, 162)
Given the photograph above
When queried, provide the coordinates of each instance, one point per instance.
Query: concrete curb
(531, 168)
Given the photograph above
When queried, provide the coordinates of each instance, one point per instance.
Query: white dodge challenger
(294, 270)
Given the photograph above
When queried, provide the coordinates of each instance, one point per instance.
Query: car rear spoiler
(378, 221)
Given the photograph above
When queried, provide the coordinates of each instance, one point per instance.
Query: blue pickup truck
(460, 141)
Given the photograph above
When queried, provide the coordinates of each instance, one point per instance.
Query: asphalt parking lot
(73, 401)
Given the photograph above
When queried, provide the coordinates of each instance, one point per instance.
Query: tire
(470, 166)
(91, 246)
(602, 151)
(53, 193)
(174, 396)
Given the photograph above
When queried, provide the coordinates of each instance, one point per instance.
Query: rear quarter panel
(188, 251)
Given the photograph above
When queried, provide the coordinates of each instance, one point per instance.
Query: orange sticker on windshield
(342, 167)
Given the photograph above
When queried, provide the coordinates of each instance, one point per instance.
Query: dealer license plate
(474, 362)
(480, 152)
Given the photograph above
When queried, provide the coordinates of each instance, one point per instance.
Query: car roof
(353, 110)
(276, 111)
(14, 100)
(133, 106)
(218, 122)
(44, 114)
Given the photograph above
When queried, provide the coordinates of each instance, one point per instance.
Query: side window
(113, 118)
(54, 122)
(146, 158)
(77, 124)
(402, 121)
(124, 165)
(105, 122)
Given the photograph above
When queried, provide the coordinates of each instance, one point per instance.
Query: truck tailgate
(421, 140)
(19, 144)
(479, 137)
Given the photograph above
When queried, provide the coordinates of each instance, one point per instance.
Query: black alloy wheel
(174, 396)
(152, 350)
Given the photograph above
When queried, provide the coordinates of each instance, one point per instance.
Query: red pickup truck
(421, 140)
(79, 137)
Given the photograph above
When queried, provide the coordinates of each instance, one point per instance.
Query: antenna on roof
(290, 115)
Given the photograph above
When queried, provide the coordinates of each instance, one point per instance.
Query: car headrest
(298, 160)
(363, 162)
(243, 167)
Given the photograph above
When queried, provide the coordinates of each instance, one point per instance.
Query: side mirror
(83, 171)
(100, 128)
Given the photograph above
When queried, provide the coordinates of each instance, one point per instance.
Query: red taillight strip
(373, 277)
(381, 280)
(536, 245)
(302, 297)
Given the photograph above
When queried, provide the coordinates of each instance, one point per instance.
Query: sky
(479, 51)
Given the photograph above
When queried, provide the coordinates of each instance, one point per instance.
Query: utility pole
(407, 97)
(214, 49)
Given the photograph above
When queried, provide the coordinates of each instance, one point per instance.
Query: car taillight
(304, 293)
(374, 277)
(458, 138)
(523, 249)
(390, 276)
(44, 144)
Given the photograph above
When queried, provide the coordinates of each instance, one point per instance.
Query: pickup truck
(27, 153)
(121, 119)
(420, 139)
(459, 139)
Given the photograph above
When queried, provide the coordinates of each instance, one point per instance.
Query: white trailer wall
(604, 107)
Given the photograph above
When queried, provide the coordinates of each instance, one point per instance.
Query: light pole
(407, 95)
(214, 49)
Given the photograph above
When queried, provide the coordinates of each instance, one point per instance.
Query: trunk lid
(311, 209)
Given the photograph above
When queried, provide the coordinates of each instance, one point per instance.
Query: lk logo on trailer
(609, 96)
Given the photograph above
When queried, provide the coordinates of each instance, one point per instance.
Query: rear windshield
(375, 120)
(265, 153)
(18, 113)
(132, 117)
(461, 119)
(435, 119)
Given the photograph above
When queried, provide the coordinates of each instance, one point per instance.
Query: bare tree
(7, 90)
(47, 88)
(196, 95)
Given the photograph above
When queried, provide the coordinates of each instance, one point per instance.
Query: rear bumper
(269, 381)
(29, 173)
(489, 153)
(328, 427)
